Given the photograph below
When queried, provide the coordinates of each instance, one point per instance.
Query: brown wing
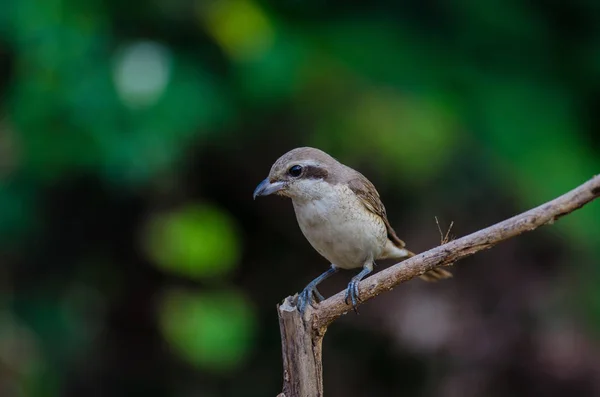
(369, 196)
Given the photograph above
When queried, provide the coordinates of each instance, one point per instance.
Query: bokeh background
(133, 261)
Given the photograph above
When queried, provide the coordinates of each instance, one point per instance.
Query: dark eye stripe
(314, 172)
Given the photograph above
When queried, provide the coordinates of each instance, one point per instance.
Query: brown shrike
(340, 213)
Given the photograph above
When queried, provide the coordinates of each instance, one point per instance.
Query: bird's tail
(432, 275)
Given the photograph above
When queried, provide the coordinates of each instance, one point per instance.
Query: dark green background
(133, 261)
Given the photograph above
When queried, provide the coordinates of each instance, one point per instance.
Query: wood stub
(302, 352)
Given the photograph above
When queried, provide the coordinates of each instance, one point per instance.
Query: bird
(341, 214)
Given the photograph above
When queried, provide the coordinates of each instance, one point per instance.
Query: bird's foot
(352, 294)
(309, 296)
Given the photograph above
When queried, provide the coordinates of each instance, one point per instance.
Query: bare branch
(301, 337)
(455, 250)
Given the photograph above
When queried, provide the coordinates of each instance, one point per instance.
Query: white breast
(339, 227)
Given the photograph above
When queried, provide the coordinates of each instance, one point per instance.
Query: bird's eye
(295, 171)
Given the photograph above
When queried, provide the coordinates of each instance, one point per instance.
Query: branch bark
(302, 337)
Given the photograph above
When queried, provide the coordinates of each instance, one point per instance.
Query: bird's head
(301, 173)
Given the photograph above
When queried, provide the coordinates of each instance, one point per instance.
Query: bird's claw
(309, 295)
(318, 297)
(352, 294)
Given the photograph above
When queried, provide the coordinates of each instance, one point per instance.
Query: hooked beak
(265, 188)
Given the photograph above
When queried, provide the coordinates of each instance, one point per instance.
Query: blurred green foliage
(213, 330)
(195, 241)
(129, 93)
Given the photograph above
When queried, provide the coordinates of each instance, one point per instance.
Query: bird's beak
(265, 188)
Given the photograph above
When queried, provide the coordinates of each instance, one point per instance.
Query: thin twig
(444, 238)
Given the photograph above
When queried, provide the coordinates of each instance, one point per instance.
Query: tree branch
(303, 375)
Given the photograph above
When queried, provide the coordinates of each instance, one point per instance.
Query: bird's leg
(352, 293)
(309, 293)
